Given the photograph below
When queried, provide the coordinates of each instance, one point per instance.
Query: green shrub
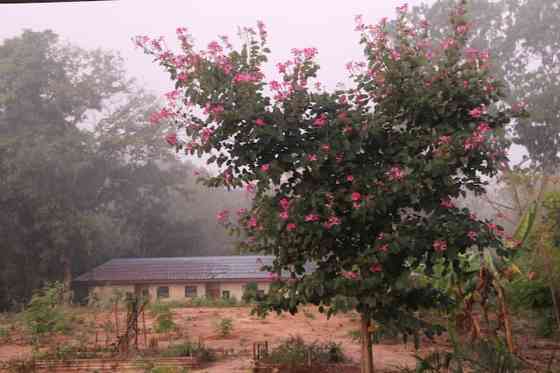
(44, 313)
(295, 352)
(4, 334)
(198, 350)
(164, 317)
(209, 302)
(250, 293)
(224, 326)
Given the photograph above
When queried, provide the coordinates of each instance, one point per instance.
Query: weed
(355, 335)
(309, 314)
(224, 326)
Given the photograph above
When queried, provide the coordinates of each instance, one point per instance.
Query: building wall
(107, 291)
(176, 291)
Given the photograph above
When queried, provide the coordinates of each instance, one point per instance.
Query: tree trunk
(367, 352)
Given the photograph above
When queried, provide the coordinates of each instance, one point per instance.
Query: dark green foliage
(250, 293)
(296, 352)
(85, 177)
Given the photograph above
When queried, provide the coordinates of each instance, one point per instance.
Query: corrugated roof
(179, 269)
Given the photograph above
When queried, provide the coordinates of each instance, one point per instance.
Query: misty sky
(327, 25)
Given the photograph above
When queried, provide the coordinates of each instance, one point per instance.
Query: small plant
(224, 326)
(4, 334)
(308, 314)
(355, 335)
(164, 318)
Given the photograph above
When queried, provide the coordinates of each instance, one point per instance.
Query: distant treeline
(84, 175)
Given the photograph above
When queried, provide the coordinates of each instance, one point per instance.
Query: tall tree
(357, 182)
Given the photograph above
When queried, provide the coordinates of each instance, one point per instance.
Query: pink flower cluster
(333, 220)
(222, 216)
(477, 137)
(350, 275)
(396, 173)
(440, 246)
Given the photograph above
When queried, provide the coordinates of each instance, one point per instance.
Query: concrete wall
(107, 291)
(176, 291)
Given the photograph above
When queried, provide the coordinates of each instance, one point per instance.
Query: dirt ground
(199, 324)
(235, 350)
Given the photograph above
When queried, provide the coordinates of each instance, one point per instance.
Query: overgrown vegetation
(295, 352)
(164, 317)
(188, 348)
(45, 313)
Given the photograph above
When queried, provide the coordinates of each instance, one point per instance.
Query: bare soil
(235, 352)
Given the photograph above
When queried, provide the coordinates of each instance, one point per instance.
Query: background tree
(523, 39)
(357, 183)
(85, 177)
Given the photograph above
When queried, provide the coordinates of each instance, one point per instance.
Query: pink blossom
(326, 148)
(376, 268)
(483, 127)
(309, 53)
(250, 188)
(171, 138)
(252, 223)
(222, 215)
(356, 197)
(350, 178)
(444, 140)
(241, 212)
(311, 217)
(339, 157)
(447, 203)
(440, 246)
(381, 236)
(461, 29)
(476, 112)
(356, 205)
(206, 134)
(291, 226)
(284, 215)
(284, 203)
(259, 122)
(312, 157)
(274, 85)
(395, 55)
(333, 220)
(320, 121)
(402, 9)
(473, 217)
(383, 248)
(350, 275)
(265, 167)
(395, 173)
(472, 235)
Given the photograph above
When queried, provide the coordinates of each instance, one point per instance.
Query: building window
(190, 291)
(163, 292)
(225, 294)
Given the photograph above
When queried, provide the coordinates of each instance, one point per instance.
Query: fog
(326, 25)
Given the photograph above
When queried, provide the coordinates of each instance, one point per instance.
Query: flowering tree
(361, 181)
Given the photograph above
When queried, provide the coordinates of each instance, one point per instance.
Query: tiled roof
(179, 269)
